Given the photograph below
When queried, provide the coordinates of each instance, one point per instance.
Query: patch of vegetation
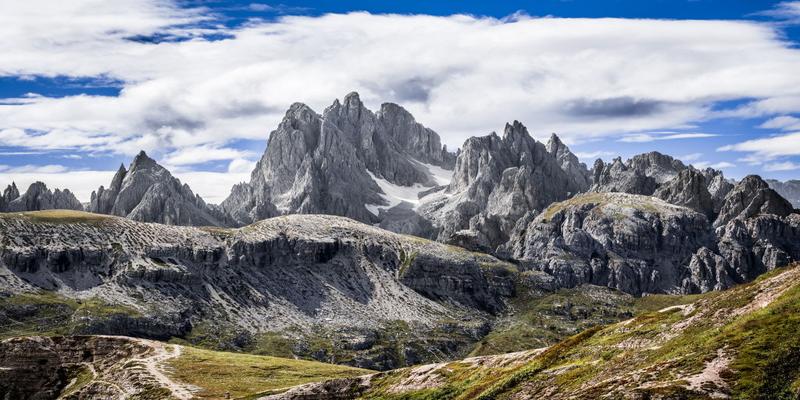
(61, 216)
(246, 375)
(538, 320)
(760, 340)
(50, 314)
(78, 377)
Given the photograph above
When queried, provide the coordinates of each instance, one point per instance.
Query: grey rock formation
(641, 244)
(496, 182)
(147, 192)
(11, 193)
(576, 170)
(642, 174)
(633, 243)
(790, 190)
(750, 197)
(688, 189)
(718, 187)
(286, 274)
(38, 197)
(329, 163)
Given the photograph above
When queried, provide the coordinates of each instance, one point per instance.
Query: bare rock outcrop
(496, 181)
(688, 189)
(750, 197)
(284, 274)
(639, 244)
(38, 197)
(147, 192)
(331, 163)
(642, 174)
(576, 170)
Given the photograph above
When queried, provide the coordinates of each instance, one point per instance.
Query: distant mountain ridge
(511, 196)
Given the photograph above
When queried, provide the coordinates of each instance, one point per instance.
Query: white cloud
(782, 166)
(784, 122)
(213, 187)
(768, 148)
(39, 169)
(190, 101)
(460, 75)
(784, 10)
(690, 157)
(593, 155)
(717, 165)
(201, 154)
(653, 136)
(241, 165)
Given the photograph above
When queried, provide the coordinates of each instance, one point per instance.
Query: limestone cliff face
(147, 192)
(641, 174)
(641, 244)
(284, 273)
(328, 163)
(37, 197)
(496, 182)
(689, 189)
(633, 243)
(576, 170)
(750, 197)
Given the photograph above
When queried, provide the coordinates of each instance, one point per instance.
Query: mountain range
(361, 240)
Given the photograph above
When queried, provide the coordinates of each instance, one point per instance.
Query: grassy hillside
(49, 314)
(743, 343)
(247, 376)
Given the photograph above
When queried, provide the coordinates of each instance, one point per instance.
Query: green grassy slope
(248, 376)
(743, 343)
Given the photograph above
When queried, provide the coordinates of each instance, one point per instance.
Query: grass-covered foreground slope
(211, 374)
(106, 367)
(540, 319)
(740, 343)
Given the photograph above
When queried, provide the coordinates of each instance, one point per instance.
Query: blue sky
(200, 84)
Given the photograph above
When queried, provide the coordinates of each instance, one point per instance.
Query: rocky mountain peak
(11, 193)
(148, 192)
(497, 181)
(750, 197)
(333, 163)
(790, 190)
(569, 162)
(642, 174)
(39, 197)
(688, 189)
(143, 161)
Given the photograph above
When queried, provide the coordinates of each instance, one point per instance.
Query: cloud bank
(191, 88)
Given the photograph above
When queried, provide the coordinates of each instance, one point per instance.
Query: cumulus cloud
(784, 122)
(782, 166)
(460, 75)
(690, 157)
(768, 148)
(593, 155)
(785, 10)
(240, 165)
(717, 165)
(653, 136)
(188, 96)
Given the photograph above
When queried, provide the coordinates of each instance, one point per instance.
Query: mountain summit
(148, 192)
(344, 162)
